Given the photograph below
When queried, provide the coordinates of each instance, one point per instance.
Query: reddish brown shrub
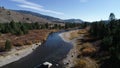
(88, 51)
(18, 44)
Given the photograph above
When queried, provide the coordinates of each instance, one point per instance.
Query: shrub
(106, 43)
(18, 44)
(88, 51)
(27, 42)
(80, 64)
(8, 45)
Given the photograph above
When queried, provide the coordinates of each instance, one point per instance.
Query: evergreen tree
(112, 16)
(8, 45)
(24, 29)
(37, 26)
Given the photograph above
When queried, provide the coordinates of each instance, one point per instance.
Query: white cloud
(34, 6)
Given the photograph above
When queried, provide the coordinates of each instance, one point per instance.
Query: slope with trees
(109, 33)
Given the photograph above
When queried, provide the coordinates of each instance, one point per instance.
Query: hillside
(73, 20)
(9, 15)
(50, 18)
(39, 15)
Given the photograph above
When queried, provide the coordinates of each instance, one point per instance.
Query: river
(53, 50)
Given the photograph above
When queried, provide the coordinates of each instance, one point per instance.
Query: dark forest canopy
(109, 33)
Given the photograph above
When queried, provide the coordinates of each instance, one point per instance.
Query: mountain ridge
(7, 15)
(74, 20)
(50, 18)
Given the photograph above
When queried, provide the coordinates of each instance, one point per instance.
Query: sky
(87, 10)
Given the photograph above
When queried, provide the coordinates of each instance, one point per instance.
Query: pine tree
(8, 45)
(112, 16)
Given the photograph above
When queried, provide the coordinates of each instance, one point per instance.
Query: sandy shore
(17, 53)
(69, 60)
(67, 35)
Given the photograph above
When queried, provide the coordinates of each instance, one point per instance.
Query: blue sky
(87, 10)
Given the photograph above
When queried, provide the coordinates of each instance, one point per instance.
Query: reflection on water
(53, 50)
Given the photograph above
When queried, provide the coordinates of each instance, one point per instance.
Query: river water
(53, 50)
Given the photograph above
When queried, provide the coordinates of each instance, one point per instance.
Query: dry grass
(80, 63)
(85, 50)
(87, 44)
(82, 31)
(88, 51)
(86, 62)
(74, 34)
(34, 36)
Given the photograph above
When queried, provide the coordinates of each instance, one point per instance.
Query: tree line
(109, 32)
(19, 28)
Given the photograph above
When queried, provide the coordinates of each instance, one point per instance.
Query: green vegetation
(14, 28)
(19, 28)
(112, 17)
(8, 45)
(72, 25)
(109, 32)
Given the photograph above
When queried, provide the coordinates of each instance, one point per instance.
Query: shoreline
(16, 54)
(76, 56)
(71, 56)
(66, 36)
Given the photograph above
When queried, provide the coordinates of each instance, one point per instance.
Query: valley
(30, 39)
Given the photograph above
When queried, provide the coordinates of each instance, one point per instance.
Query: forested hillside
(109, 33)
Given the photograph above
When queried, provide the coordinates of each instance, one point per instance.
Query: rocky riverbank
(70, 37)
(79, 55)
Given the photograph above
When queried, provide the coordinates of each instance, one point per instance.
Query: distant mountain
(50, 18)
(9, 15)
(73, 20)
